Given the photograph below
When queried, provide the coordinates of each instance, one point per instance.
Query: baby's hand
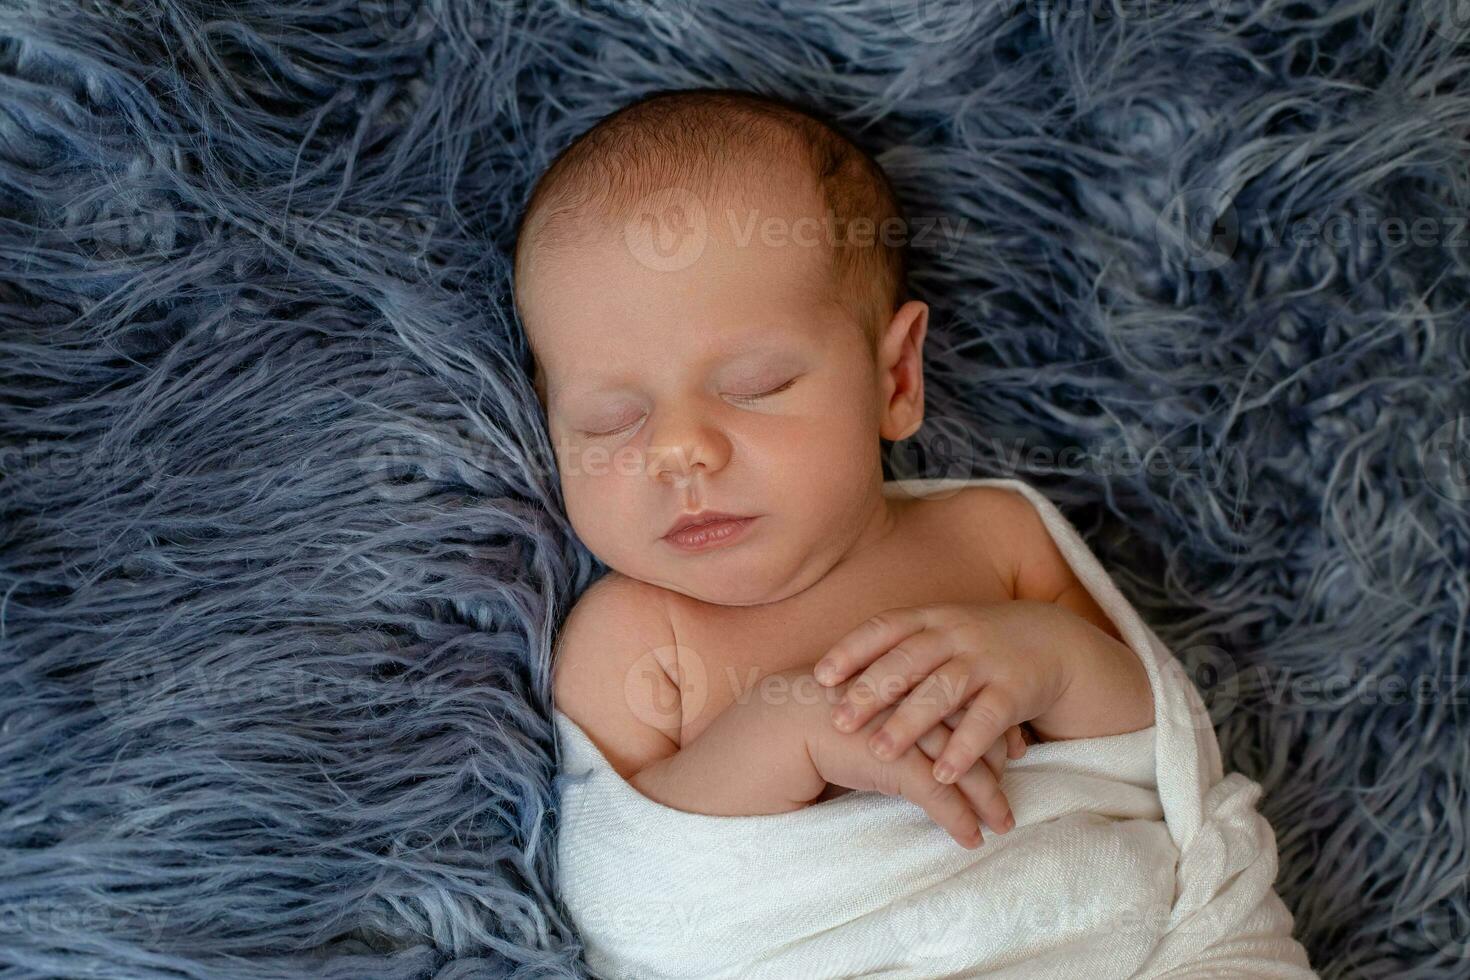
(996, 665)
(843, 759)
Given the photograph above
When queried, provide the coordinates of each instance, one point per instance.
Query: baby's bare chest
(724, 652)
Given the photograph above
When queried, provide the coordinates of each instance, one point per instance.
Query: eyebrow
(596, 383)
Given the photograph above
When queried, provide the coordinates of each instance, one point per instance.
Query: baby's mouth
(709, 534)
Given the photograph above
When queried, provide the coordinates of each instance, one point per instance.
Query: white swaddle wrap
(1132, 856)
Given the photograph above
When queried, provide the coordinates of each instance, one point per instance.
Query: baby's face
(734, 384)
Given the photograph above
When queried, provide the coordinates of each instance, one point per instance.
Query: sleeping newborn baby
(712, 290)
(719, 352)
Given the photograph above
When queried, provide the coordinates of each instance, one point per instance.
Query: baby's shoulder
(1027, 556)
(612, 669)
(997, 525)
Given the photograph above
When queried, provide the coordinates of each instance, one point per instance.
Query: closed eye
(766, 394)
(613, 432)
(744, 398)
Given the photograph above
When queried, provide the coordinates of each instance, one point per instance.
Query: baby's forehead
(764, 233)
(782, 237)
(620, 187)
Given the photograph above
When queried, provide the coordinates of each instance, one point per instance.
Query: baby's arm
(775, 752)
(752, 759)
(613, 675)
(1108, 690)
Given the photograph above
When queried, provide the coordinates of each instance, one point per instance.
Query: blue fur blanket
(281, 544)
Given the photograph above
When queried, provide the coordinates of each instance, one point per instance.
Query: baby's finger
(907, 667)
(985, 722)
(944, 804)
(867, 641)
(934, 744)
(981, 786)
(996, 757)
(932, 699)
(1015, 742)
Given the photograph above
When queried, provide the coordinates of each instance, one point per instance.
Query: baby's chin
(754, 576)
(718, 587)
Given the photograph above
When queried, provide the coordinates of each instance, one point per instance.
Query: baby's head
(713, 295)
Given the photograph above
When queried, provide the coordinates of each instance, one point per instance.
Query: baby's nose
(677, 450)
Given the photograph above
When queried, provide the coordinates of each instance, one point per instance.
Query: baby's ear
(915, 427)
(901, 361)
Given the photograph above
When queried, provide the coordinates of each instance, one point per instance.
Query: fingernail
(824, 672)
(842, 715)
(944, 772)
(1010, 820)
(882, 743)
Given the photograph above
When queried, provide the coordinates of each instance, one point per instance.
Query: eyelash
(764, 394)
(744, 398)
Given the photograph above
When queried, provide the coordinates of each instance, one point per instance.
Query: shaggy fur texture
(281, 544)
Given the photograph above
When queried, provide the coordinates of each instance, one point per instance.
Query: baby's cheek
(592, 505)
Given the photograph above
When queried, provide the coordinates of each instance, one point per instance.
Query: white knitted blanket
(1132, 856)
